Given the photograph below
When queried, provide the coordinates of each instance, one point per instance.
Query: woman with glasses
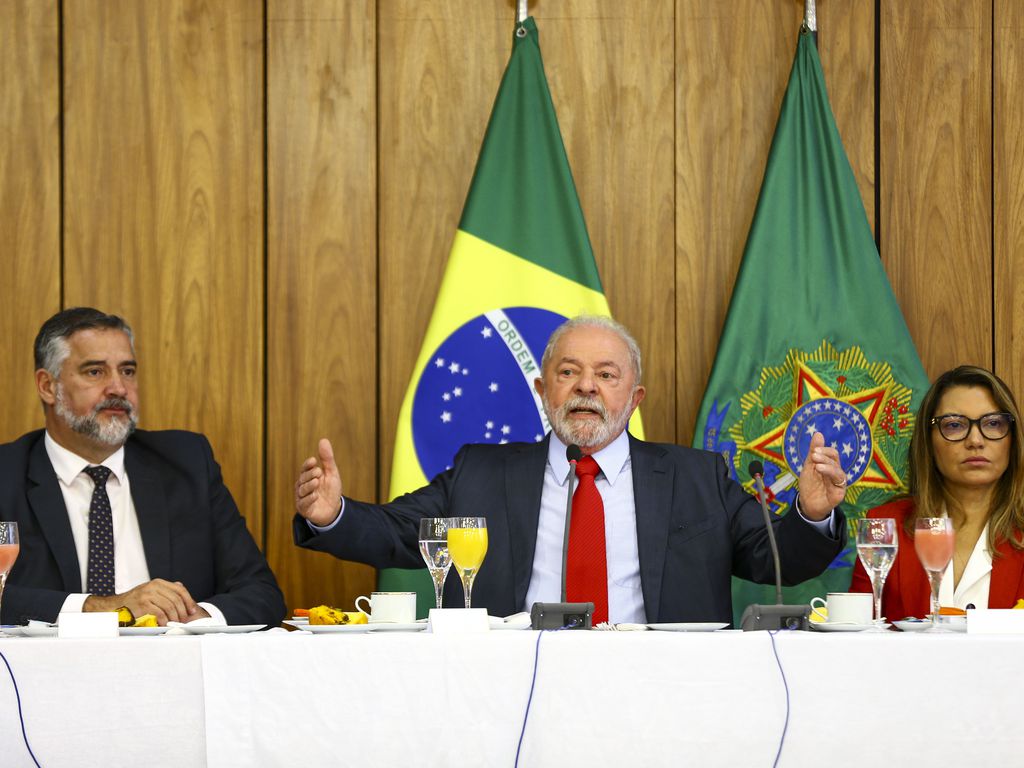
(967, 462)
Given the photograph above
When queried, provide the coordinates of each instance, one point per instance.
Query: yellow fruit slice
(146, 620)
(323, 614)
(125, 618)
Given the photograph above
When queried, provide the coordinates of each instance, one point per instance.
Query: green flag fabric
(521, 263)
(814, 339)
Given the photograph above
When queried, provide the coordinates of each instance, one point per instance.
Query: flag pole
(522, 11)
(810, 20)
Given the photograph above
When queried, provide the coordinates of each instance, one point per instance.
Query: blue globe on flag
(478, 386)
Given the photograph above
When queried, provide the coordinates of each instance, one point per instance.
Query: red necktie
(586, 577)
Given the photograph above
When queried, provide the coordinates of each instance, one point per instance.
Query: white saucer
(136, 631)
(327, 629)
(382, 627)
(825, 626)
(227, 629)
(699, 626)
(915, 625)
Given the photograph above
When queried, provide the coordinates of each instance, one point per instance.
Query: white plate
(228, 629)
(39, 630)
(700, 626)
(298, 620)
(129, 631)
(824, 626)
(916, 625)
(382, 627)
(326, 629)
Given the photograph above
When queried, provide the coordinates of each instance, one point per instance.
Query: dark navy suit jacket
(191, 529)
(696, 528)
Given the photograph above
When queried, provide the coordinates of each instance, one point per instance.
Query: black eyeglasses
(954, 427)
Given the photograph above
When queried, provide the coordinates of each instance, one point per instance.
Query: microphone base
(775, 617)
(561, 615)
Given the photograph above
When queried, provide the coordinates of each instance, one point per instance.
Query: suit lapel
(652, 494)
(47, 503)
(1007, 585)
(150, 501)
(524, 482)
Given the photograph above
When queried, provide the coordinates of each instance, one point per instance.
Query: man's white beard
(113, 432)
(586, 433)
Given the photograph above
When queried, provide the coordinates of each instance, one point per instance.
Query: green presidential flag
(814, 339)
(521, 263)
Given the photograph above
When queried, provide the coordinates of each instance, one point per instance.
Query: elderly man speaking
(657, 529)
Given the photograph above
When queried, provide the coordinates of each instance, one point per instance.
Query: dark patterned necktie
(586, 572)
(100, 573)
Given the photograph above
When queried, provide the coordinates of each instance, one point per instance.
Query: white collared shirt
(130, 568)
(615, 484)
(974, 581)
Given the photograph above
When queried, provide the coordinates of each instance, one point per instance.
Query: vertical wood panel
(322, 272)
(163, 208)
(30, 195)
(936, 175)
(733, 60)
(846, 43)
(611, 70)
(1008, 164)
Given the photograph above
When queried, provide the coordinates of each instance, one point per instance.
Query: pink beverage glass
(9, 548)
(933, 542)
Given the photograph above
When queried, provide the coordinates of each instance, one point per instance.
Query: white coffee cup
(389, 607)
(844, 607)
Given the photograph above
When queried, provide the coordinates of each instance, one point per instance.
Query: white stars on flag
(457, 391)
(493, 386)
(486, 331)
(505, 429)
(439, 363)
(446, 416)
(454, 367)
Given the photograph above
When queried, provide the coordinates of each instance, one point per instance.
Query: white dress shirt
(974, 581)
(130, 568)
(615, 484)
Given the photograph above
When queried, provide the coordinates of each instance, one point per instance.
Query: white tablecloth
(644, 698)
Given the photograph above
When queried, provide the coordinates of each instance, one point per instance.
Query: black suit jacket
(696, 528)
(190, 526)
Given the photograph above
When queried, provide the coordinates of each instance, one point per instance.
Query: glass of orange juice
(9, 547)
(467, 545)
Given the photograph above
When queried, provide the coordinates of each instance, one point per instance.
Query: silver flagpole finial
(523, 11)
(810, 16)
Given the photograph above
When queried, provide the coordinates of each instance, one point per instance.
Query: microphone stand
(778, 616)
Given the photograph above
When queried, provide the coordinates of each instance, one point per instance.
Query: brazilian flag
(814, 339)
(520, 264)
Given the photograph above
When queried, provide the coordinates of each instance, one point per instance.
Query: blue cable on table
(533, 682)
(785, 727)
(21, 717)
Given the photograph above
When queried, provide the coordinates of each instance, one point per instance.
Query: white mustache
(580, 402)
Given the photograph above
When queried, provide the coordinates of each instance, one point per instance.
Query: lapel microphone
(776, 616)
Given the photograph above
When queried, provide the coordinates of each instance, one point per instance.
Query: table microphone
(776, 616)
(564, 615)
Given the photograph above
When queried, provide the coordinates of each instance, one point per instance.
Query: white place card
(91, 625)
(461, 621)
(995, 621)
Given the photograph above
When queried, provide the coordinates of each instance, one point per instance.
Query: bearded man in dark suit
(112, 516)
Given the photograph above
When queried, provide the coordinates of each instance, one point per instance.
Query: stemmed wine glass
(933, 541)
(9, 548)
(434, 548)
(877, 544)
(467, 543)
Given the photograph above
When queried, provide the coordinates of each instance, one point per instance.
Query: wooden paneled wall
(268, 189)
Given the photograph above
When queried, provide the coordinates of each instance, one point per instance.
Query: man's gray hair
(51, 347)
(595, 321)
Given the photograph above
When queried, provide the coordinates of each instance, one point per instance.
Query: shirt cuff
(826, 527)
(326, 528)
(73, 603)
(215, 613)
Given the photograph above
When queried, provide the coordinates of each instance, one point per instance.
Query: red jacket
(906, 591)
